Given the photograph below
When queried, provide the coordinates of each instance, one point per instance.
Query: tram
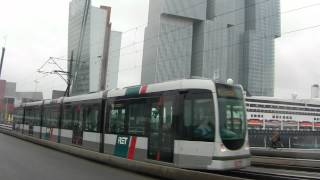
(191, 123)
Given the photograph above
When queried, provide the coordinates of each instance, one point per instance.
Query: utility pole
(67, 92)
(2, 54)
(2, 57)
(105, 56)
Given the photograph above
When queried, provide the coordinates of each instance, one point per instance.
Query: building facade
(216, 39)
(88, 27)
(9, 97)
(113, 60)
(7, 100)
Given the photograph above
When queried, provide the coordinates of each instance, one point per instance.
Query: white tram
(196, 124)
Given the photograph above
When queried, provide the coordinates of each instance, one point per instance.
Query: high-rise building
(216, 39)
(113, 60)
(88, 28)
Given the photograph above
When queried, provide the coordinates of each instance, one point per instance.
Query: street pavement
(20, 160)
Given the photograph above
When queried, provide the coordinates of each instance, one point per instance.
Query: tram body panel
(91, 140)
(129, 147)
(66, 136)
(192, 154)
(182, 123)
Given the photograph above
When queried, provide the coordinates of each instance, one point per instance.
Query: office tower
(88, 28)
(216, 39)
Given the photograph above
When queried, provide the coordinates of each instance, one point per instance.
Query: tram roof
(29, 104)
(164, 86)
(91, 96)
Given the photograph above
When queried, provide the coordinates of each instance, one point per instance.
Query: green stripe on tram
(133, 91)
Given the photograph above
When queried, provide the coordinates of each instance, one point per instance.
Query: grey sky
(37, 29)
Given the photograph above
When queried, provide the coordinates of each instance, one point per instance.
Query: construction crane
(2, 58)
(2, 54)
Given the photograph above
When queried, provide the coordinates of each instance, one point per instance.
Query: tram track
(265, 173)
(269, 173)
(278, 168)
(308, 165)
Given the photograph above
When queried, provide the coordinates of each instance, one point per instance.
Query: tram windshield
(231, 112)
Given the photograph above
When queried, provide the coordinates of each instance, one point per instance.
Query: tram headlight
(223, 148)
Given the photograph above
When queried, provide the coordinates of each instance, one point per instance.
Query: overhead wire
(262, 18)
(187, 26)
(226, 46)
(224, 28)
(284, 33)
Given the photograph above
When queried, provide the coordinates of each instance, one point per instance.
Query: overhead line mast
(2, 58)
(2, 55)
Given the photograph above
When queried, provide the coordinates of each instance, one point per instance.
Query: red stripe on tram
(132, 147)
(143, 89)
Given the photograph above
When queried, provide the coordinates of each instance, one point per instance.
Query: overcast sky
(38, 29)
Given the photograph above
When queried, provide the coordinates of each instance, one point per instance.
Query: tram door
(161, 139)
(77, 129)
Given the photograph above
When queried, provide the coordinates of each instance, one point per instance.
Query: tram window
(67, 117)
(117, 118)
(137, 118)
(51, 117)
(16, 116)
(46, 117)
(155, 118)
(27, 116)
(36, 117)
(167, 115)
(54, 119)
(56, 116)
(77, 123)
(91, 118)
(199, 117)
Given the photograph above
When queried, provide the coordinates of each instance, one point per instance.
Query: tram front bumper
(229, 164)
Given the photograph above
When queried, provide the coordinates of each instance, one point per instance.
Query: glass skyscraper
(216, 39)
(86, 39)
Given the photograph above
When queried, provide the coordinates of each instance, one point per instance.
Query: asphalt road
(23, 160)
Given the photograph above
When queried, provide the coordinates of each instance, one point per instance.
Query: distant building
(9, 97)
(86, 39)
(23, 97)
(113, 61)
(57, 94)
(7, 100)
(216, 39)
